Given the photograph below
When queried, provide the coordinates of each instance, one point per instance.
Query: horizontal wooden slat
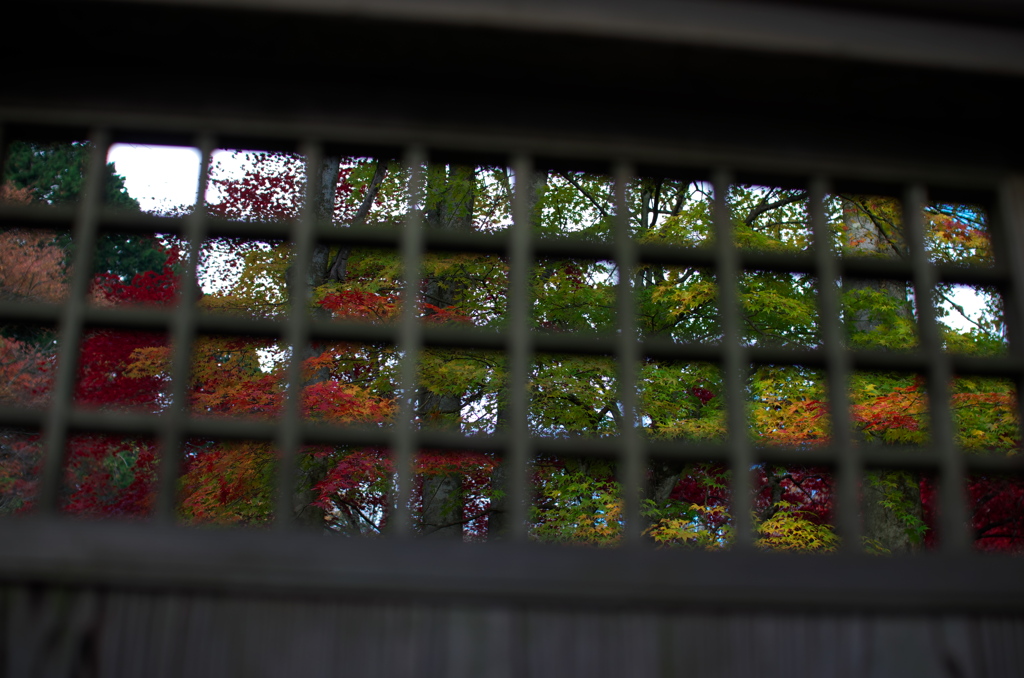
(806, 30)
(136, 555)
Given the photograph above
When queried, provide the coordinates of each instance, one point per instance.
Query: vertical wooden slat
(410, 341)
(848, 466)
(1008, 244)
(953, 533)
(735, 364)
(520, 350)
(4, 142)
(55, 435)
(289, 438)
(183, 336)
(632, 462)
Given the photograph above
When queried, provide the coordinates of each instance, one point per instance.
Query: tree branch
(586, 194)
(960, 309)
(339, 268)
(878, 225)
(464, 521)
(768, 206)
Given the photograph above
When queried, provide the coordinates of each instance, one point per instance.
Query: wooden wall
(62, 631)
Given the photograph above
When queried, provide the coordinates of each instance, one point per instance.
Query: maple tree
(348, 489)
(53, 173)
(107, 475)
(29, 259)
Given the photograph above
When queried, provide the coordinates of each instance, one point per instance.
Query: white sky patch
(159, 177)
(162, 177)
(227, 164)
(971, 301)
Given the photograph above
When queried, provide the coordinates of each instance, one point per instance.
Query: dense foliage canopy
(53, 174)
(348, 489)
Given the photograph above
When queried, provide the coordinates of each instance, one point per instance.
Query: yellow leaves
(445, 373)
(695, 530)
(680, 300)
(785, 530)
(603, 527)
(709, 426)
(149, 361)
(669, 530)
(446, 264)
(791, 531)
(787, 422)
(773, 238)
(263, 278)
(986, 416)
(577, 507)
(691, 228)
(962, 238)
(786, 406)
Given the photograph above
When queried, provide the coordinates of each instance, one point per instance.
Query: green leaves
(578, 394)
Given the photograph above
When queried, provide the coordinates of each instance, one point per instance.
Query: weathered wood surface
(52, 631)
(123, 599)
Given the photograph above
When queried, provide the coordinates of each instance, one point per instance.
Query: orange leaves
(11, 195)
(436, 315)
(228, 378)
(257, 397)
(335, 402)
(26, 374)
(960, 237)
(894, 409)
(228, 483)
(31, 267)
(895, 416)
(321, 363)
(360, 305)
(238, 377)
(799, 422)
(148, 361)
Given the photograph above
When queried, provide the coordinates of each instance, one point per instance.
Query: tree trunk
(324, 269)
(449, 206)
(892, 499)
(311, 470)
(339, 269)
(892, 503)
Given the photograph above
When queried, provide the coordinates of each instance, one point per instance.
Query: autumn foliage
(350, 489)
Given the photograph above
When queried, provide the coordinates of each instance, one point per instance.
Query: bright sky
(160, 177)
